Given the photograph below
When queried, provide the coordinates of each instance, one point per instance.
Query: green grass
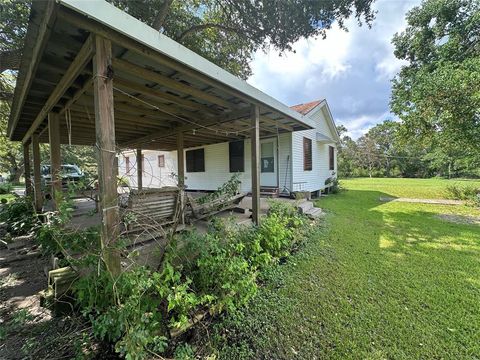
(377, 280)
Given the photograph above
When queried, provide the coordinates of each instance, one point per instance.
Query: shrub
(19, 215)
(469, 193)
(6, 188)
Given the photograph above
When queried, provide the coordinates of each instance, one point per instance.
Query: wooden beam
(163, 80)
(27, 172)
(162, 134)
(37, 44)
(55, 158)
(276, 123)
(160, 95)
(86, 85)
(105, 133)
(139, 169)
(37, 180)
(255, 147)
(75, 68)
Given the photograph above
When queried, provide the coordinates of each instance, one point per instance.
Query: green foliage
(470, 193)
(19, 215)
(437, 94)
(228, 189)
(6, 188)
(137, 310)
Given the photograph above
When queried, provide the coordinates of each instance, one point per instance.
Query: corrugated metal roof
(304, 109)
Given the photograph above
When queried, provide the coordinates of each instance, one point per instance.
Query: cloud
(352, 70)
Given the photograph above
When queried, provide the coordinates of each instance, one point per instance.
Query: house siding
(314, 179)
(285, 161)
(153, 175)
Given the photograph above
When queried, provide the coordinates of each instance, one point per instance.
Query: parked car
(69, 174)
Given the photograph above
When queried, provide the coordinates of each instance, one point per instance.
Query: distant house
(159, 168)
(289, 161)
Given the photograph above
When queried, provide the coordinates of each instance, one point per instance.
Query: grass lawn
(377, 280)
(8, 197)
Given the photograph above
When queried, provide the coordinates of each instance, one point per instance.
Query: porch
(93, 75)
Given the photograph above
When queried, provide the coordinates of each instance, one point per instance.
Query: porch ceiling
(160, 87)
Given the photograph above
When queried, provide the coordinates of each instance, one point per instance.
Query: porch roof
(160, 87)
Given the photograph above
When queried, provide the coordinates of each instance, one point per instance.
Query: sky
(352, 70)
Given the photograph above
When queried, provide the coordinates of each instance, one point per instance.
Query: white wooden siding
(315, 179)
(153, 175)
(285, 156)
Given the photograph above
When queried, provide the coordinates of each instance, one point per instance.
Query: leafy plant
(470, 193)
(6, 188)
(19, 215)
(229, 189)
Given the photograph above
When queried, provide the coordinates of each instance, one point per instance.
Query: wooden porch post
(26, 161)
(105, 135)
(55, 160)
(37, 181)
(180, 160)
(181, 172)
(255, 139)
(139, 169)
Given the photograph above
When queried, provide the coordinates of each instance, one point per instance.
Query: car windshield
(66, 169)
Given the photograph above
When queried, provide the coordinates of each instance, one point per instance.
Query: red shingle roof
(305, 108)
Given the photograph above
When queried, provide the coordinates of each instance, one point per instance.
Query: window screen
(331, 153)
(267, 161)
(236, 156)
(161, 160)
(307, 154)
(195, 160)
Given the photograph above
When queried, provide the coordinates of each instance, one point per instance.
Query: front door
(268, 163)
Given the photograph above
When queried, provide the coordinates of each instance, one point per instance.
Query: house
(289, 162)
(159, 168)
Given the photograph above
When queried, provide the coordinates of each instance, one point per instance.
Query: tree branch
(198, 28)
(162, 14)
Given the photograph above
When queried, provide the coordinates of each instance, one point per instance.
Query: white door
(268, 163)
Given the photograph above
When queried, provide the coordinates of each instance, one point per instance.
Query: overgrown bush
(469, 193)
(19, 216)
(216, 271)
(230, 188)
(6, 188)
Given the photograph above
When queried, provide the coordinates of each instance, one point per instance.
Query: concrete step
(314, 213)
(305, 206)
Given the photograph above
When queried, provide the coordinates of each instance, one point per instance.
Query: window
(331, 157)
(307, 154)
(236, 156)
(127, 164)
(161, 160)
(195, 160)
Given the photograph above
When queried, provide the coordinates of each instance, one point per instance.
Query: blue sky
(352, 70)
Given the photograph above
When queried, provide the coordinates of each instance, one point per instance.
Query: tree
(227, 32)
(437, 95)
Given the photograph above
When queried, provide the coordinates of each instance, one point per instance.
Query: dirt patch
(27, 330)
(460, 219)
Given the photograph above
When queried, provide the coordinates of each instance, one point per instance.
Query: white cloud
(351, 69)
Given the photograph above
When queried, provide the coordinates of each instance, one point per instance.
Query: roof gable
(304, 109)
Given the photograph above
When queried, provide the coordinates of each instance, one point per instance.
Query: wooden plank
(163, 134)
(157, 94)
(139, 169)
(27, 172)
(105, 134)
(55, 158)
(276, 123)
(163, 80)
(75, 68)
(37, 180)
(255, 147)
(37, 38)
(87, 85)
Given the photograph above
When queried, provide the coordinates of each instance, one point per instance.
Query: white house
(290, 162)
(159, 168)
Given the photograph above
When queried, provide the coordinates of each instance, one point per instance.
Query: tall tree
(437, 94)
(226, 32)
